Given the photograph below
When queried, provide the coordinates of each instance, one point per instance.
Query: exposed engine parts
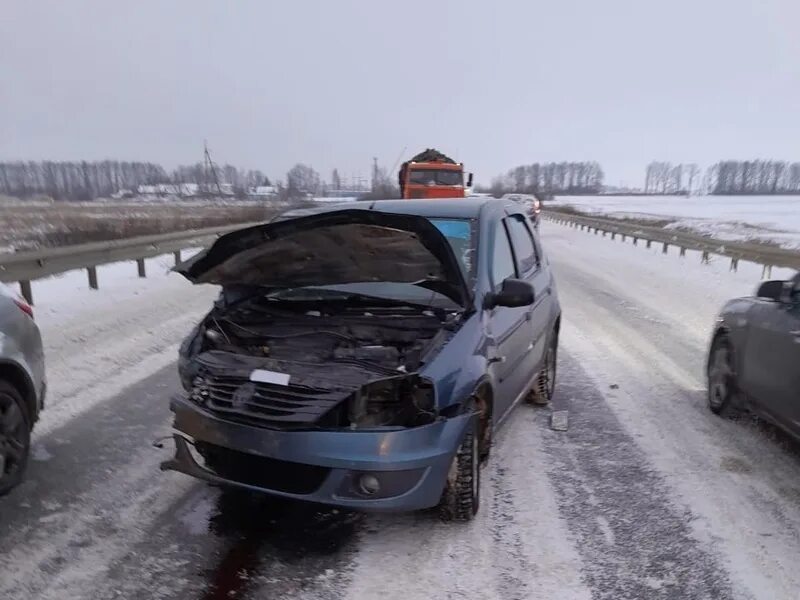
(340, 368)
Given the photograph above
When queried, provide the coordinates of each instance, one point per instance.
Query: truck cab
(434, 177)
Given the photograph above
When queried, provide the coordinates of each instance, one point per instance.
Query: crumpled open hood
(331, 248)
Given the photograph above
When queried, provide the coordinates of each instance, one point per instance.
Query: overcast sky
(335, 82)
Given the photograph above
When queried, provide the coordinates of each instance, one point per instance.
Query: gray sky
(335, 82)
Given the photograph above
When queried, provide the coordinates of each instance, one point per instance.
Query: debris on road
(559, 420)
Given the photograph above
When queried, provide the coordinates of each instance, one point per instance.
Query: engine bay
(344, 364)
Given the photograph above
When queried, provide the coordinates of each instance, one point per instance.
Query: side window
(522, 240)
(502, 259)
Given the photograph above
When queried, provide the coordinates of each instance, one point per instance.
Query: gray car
(22, 385)
(754, 361)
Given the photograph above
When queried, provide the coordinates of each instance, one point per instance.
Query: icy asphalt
(646, 495)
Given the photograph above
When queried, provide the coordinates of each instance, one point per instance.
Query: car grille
(243, 400)
(262, 472)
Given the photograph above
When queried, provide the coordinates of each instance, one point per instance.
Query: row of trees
(754, 177)
(666, 178)
(551, 178)
(727, 177)
(76, 180)
(88, 180)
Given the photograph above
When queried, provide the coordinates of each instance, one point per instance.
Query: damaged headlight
(405, 401)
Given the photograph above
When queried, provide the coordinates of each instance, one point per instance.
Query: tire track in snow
(634, 542)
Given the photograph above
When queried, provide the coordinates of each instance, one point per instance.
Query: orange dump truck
(431, 174)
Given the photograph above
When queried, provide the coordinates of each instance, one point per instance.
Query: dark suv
(362, 356)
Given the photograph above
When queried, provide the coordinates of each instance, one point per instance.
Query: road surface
(646, 495)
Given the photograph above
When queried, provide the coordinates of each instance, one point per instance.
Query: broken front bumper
(330, 467)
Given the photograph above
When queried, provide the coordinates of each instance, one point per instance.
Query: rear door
(771, 369)
(509, 328)
(531, 268)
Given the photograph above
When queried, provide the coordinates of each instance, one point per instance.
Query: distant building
(263, 191)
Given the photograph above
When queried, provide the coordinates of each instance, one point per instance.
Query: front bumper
(411, 465)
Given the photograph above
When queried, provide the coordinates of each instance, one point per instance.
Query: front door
(509, 330)
(530, 268)
(771, 369)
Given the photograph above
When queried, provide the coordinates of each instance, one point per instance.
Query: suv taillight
(24, 306)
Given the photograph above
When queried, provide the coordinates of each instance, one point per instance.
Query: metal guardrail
(25, 267)
(767, 256)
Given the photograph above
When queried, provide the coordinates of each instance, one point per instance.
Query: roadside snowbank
(774, 219)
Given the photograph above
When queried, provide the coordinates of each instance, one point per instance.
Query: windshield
(435, 177)
(459, 233)
(387, 290)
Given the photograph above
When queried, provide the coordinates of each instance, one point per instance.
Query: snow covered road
(647, 495)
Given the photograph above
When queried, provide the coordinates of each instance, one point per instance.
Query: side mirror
(513, 293)
(772, 290)
(469, 180)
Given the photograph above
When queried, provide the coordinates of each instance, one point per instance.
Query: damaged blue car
(363, 356)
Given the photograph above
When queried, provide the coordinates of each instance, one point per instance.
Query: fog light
(369, 484)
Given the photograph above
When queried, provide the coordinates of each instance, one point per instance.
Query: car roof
(454, 208)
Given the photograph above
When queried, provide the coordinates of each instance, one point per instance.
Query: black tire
(15, 438)
(723, 389)
(462, 491)
(544, 387)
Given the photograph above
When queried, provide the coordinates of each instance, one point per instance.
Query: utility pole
(374, 173)
(208, 167)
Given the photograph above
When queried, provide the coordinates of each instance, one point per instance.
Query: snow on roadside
(97, 342)
(773, 219)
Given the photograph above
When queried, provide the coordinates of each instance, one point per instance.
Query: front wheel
(461, 496)
(15, 438)
(722, 384)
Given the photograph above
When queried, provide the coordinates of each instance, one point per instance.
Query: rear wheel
(722, 384)
(543, 389)
(461, 497)
(15, 438)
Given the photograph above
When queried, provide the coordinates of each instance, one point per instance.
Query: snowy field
(773, 219)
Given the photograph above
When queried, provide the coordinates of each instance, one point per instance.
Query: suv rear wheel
(543, 389)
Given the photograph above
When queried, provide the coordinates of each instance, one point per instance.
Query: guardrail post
(766, 272)
(635, 241)
(604, 233)
(666, 248)
(649, 243)
(683, 251)
(613, 235)
(26, 291)
(623, 237)
(177, 255)
(92, 271)
(705, 257)
(596, 231)
(140, 267)
(734, 264)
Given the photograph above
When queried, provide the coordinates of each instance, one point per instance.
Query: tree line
(551, 178)
(86, 180)
(727, 177)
